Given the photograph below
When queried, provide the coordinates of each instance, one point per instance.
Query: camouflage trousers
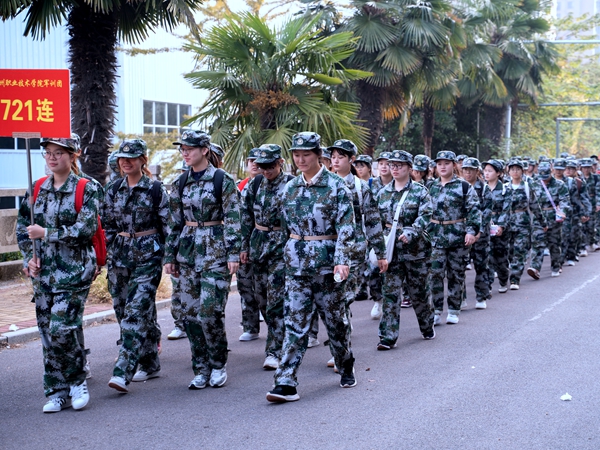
(269, 290)
(450, 263)
(413, 275)
(519, 240)
(134, 295)
(59, 319)
(302, 293)
(250, 309)
(362, 280)
(176, 311)
(588, 230)
(375, 280)
(480, 254)
(571, 234)
(498, 260)
(203, 300)
(552, 240)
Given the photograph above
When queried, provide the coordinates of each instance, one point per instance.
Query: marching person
(203, 250)
(363, 164)
(592, 181)
(455, 223)
(62, 269)
(319, 216)
(135, 214)
(408, 203)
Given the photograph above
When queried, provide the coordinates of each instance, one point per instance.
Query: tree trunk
(93, 64)
(493, 129)
(428, 127)
(371, 113)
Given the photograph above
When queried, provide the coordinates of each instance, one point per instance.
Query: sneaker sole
(173, 338)
(77, 408)
(274, 398)
(348, 385)
(532, 273)
(270, 367)
(221, 384)
(118, 387)
(383, 347)
(149, 377)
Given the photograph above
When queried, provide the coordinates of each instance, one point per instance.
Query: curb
(29, 334)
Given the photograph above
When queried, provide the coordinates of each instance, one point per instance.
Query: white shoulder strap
(358, 186)
(527, 189)
(400, 203)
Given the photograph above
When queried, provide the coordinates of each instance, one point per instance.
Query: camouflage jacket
(376, 186)
(450, 204)
(521, 208)
(319, 208)
(367, 230)
(413, 221)
(500, 208)
(580, 201)
(67, 257)
(593, 187)
(204, 247)
(265, 209)
(131, 211)
(560, 195)
(485, 205)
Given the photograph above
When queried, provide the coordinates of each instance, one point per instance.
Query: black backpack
(258, 180)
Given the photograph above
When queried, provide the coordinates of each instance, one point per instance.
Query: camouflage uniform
(68, 264)
(135, 269)
(265, 248)
(581, 206)
(410, 263)
(321, 207)
(593, 186)
(202, 253)
(449, 254)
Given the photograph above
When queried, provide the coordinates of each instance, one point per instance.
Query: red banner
(35, 100)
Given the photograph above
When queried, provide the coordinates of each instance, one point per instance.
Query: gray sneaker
(218, 377)
(199, 382)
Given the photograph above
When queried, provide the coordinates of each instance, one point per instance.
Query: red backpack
(99, 239)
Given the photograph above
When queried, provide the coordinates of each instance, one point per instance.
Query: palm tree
(267, 84)
(95, 27)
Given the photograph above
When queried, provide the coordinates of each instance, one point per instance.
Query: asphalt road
(492, 381)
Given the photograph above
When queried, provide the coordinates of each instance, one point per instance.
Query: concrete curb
(29, 334)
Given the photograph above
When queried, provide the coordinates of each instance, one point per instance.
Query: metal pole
(477, 132)
(30, 180)
(508, 123)
(557, 137)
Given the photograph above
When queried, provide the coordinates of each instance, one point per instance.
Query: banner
(35, 100)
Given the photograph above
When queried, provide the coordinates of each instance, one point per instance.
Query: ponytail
(74, 166)
(145, 168)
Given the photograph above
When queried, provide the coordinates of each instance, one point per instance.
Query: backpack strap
(36, 188)
(79, 191)
(256, 184)
(156, 194)
(182, 181)
(218, 181)
(115, 186)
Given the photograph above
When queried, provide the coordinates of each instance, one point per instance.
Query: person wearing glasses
(203, 250)
(135, 219)
(62, 269)
(407, 202)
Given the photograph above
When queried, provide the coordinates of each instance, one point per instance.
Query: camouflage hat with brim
(564, 155)
(365, 159)
(432, 164)
(345, 145)
(471, 163)
(594, 158)
(113, 162)
(183, 166)
(560, 164)
(253, 153)
(384, 155)
(217, 150)
(515, 162)
(572, 163)
(132, 148)
(325, 153)
(586, 162)
(401, 156)
(447, 155)
(421, 163)
(306, 140)
(544, 170)
(543, 158)
(71, 144)
(268, 153)
(461, 157)
(194, 138)
(525, 164)
(497, 165)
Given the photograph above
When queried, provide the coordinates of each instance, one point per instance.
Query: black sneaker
(282, 394)
(429, 334)
(383, 346)
(348, 379)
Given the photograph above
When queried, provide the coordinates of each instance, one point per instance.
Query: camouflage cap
(525, 164)
(183, 166)
(586, 162)
(365, 159)
(544, 170)
(560, 164)
(471, 163)
(306, 140)
(345, 145)
(515, 162)
(217, 150)
(564, 155)
(421, 163)
(447, 155)
(268, 153)
(112, 162)
(194, 138)
(325, 153)
(384, 155)
(594, 158)
(572, 163)
(497, 165)
(71, 143)
(253, 154)
(461, 157)
(432, 164)
(132, 148)
(401, 156)
(543, 158)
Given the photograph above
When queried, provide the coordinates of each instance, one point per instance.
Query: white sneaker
(481, 305)
(546, 252)
(271, 363)
(177, 333)
(246, 336)
(313, 342)
(570, 263)
(56, 404)
(596, 247)
(79, 395)
(260, 317)
(555, 274)
(495, 274)
(140, 375)
(437, 320)
(377, 310)
(469, 267)
(463, 305)
(503, 289)
(452, 318)
(514, 287)
(119, 384)
(331, 362)
(218, 377)
(583, 253)
(199, 382)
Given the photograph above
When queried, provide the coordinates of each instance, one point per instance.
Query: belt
(547, 209)
(269, 228)
(327, 237)
(520, 210)
(447, 222)
(204, 224)
(138, 234)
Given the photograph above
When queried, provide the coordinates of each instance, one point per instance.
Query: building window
(162, 117)
(8, 143)
(570, 5)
